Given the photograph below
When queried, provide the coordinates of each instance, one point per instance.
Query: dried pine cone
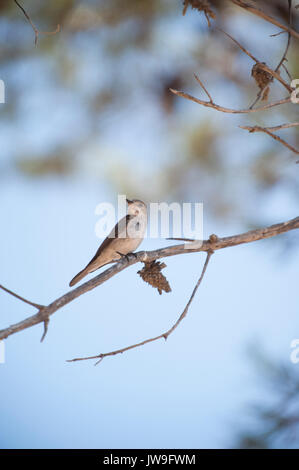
(151, 273)
(200, 5)
(262, 78)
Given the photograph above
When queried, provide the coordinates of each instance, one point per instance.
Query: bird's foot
(127, 256)
(122, 255)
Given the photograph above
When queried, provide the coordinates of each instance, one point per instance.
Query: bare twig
(275, 74)
(258, 12)
(267, 130)
(203, 87)
(36, 31)
(165, 335)
(273, 128)
(211, 104)
(38, 306)
(277, 34)
(214, 244)
(46, 325)
(284, 57)
(239, 45)
(263, 66)
(287, 72)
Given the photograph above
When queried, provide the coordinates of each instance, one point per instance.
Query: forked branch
(214, 243)
(212, 104)
(36, 31)
(270, 131)
(258, 12)
(165, 335)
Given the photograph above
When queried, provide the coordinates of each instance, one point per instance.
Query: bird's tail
(79, 276)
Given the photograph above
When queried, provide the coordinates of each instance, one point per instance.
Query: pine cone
(262, 79)
(151, 273)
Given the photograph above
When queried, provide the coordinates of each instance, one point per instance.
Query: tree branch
(284, 56)
(263, 66)
(211, 104)
(165, 335)
(287, 125)
(38, 306)
(214, 244)
(258, 12)
(268, 130)
(36, 31)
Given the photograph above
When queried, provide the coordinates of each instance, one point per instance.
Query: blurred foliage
(99, 92)
(46, 165)
(275, 419)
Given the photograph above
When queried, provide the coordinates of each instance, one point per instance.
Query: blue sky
(192, 391)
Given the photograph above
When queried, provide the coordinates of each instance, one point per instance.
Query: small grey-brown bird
(125, 238)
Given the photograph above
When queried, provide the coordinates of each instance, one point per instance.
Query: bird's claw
(127, 255)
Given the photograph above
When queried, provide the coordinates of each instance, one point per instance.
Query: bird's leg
(127, 256)
(122, 255)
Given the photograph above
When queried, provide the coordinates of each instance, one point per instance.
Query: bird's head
(136, 207)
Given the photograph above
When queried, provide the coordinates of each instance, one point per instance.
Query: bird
(125, 238)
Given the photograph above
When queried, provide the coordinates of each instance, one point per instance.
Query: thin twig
(214, 243)
(36, 31)
(38, 306)
(274, 136)
(46, 325)
(287, 72)
(213, 105)
(277, 34)
(239, 45)
(257, 97)
(263, 66)
(258, 12)
(165, 335)
(273, 128)
(289, 39)
(208, 19)
(203, 87)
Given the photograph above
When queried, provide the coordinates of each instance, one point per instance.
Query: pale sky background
(192, 391)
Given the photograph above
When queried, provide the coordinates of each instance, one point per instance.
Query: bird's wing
(119, 227)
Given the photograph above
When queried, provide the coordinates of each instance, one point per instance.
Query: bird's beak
(129, 201)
